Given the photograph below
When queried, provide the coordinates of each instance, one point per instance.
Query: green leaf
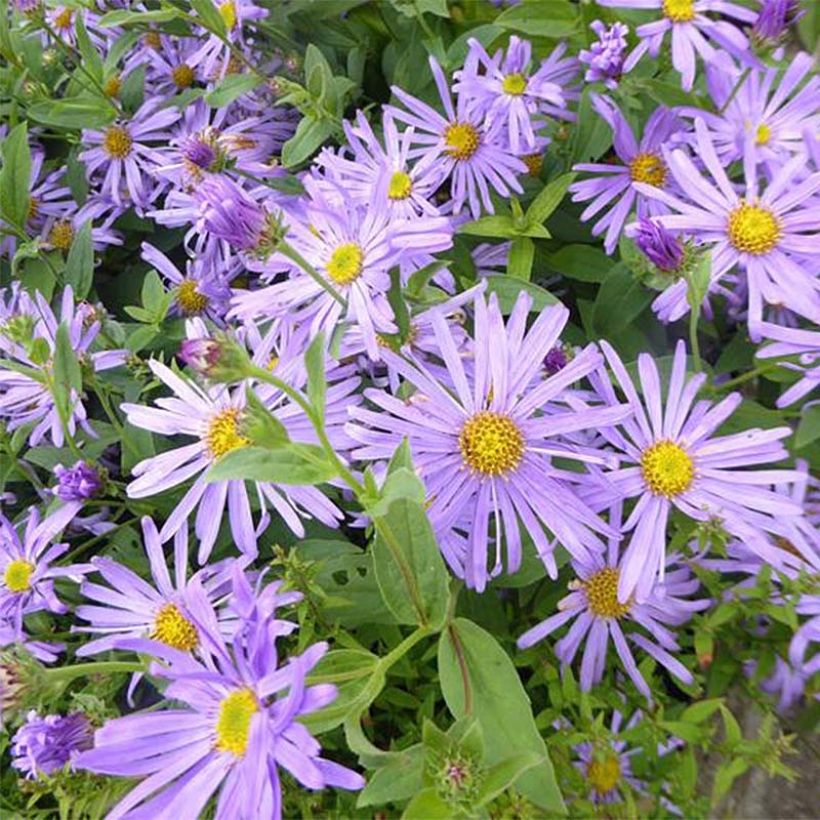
(698, 281)
(427, 805)
(310, 134)
(76, 112)
(808, 430)
(620, 299)
(15, 176)
(549, 199)
(210, 16)
(260, 425)
(293, 463)
(477, 677)
(230, 88)
(92, 62)
(508, 288)
(703, 710)
(315, 366)
(504, 774)
(498, 226)
(409, 568)
(548, 18)
(132, 91)
(592, 135)
(519, 262)
(123, 17)
(398, 780)
(586, 263)
(79, 266)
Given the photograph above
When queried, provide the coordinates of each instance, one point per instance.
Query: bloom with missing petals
(605, 57)
(483, 433)
(43, 745)
(664, 250)
(77, 483)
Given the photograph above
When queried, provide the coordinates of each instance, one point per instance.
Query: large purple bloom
(43, 745)
(483, 434)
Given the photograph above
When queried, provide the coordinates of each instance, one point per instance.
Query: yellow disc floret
(233, 724)
(603, 773)
(400, 187)
(17, 576)
(62, 20)
(461, 140)
(228, 12)
(679, 11)
(601, 590)
(345, 265)
(191, 302)
(514, 84)
(491, 443)
(183, 76)
(117, 142)
(753, 229)
(763, 134)
(174, 629)
(667, 468)
(648, 168)
(534, 163)
(61, 235)
(223, 433)
(113, 85)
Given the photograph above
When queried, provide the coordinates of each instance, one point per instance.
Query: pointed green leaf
(15, 176)
(79, 266)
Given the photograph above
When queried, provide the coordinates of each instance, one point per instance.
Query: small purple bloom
(77, 483)
(775, 18)
(605, 57)
(661, 247)
(229, 213)
(43, 745)
(200, 354)
(555, 360)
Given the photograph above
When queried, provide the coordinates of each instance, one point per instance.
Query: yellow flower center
(273, 363)
(491, 443)
(17, 576)
(461, 139)
(112, 85)
(345, 264)
(152, 40)
(62, 21)
(514, 84)
(117, 142)
(33, 208)
(233, 725)
(228, 12)
(679, 11)
(753, 229)
(400, 187)
(223, 433)
(61, 235)
(601, 590)
(183, 76)
(648, 168)
(174, 629)
(603, 773)
(667, 468)
(763, 134)
(191, 302)
(534, 163)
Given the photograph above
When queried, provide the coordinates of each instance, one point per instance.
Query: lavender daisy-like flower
(790, 341)
(505, 91)
(26, 571)
(766, 233)
(43, 745)
(605, 57)
(233, 726)
(616, 184)
(691, 30)
(460, 147)
(77, 483)
(599, 616)
(482, 441)
(28, 335)
(121, 153)
(674, 460)
(213, 416)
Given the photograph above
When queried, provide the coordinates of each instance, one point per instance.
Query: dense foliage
(406, 405)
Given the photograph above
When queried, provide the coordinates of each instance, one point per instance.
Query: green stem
(67, 673)
(399, 651)
(694, 315)
(738, 380)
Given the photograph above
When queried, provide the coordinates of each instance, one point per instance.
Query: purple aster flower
(233, 726)
(691, 32)
(616, 184)
(43, 745)
(505, 91)
(28, 336)
(77, 483)
(674, 460)
(121, 153)
(58, 231)
(664, 250)
(774, 20)
(599, 616)
(605, 57)
(213, 416)
(766, 233)
(26, 571)
(607, 765)
(482, 442)
(49, 196)
(788, 341)
(460, 147)
(767, 112)
(785, 683)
